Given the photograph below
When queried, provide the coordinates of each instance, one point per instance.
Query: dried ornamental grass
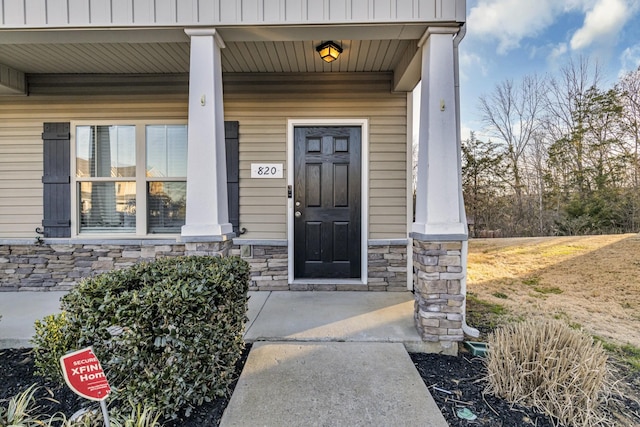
(547, 365)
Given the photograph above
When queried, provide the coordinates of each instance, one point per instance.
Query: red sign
(84, 375)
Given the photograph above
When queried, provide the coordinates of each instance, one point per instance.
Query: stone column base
(439, 302)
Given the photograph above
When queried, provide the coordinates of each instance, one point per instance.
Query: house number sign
(266, 170)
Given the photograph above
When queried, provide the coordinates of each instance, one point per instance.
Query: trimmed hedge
(168, 333)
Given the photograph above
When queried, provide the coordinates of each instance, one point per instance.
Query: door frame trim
(363, 123)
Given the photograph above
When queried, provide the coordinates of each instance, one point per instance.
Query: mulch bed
(458, 382)
(454, 382)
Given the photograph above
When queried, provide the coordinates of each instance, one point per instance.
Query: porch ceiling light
(329, 51)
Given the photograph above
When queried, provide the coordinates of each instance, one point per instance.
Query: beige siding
(21, 120)
(264, 104)
(262, 108)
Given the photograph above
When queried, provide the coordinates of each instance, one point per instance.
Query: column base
(206, 231)
(439, 302)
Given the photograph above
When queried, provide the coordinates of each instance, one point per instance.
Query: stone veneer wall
(387, 269)
(387, 265)
(59, 266)
(269, 266)
(437, 279)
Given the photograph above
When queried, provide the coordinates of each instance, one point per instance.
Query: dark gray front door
(327, 202)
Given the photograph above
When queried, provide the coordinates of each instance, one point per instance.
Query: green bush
(167, 333)
(53, 338)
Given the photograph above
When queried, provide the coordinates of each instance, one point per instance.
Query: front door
(327, 202)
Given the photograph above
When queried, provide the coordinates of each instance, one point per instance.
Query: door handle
(298, 214)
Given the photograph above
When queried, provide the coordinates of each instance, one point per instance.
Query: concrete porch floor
(333, 316)
(273, 316)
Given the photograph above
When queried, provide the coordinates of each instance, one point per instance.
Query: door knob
(298, 214)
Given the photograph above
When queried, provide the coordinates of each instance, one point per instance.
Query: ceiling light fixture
(329, 51)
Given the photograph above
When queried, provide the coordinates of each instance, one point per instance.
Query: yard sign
(84, 375)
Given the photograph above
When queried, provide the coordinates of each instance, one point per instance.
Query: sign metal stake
(105, 413)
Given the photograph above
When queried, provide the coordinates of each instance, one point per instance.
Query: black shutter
(56, 180)
(232, 146)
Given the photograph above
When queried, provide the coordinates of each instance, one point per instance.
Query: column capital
(437, 30)
(195, 32)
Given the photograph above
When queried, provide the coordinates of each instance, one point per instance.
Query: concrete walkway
(19, 311)
(318, 358)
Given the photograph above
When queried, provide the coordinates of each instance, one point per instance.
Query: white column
(439, 207)
(207, 211)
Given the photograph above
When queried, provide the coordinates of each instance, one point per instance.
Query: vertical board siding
(56, 13)
(122, 11)
(35, 12)
(79, 12)
(262, 110)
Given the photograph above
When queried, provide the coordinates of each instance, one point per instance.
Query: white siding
(83, 13)
(262, 104)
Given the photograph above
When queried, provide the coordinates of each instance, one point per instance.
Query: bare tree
(565, 105)
(535, 160)
(629, 89)
(512, 114)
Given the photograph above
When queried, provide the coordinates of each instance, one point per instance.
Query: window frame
(141, 179)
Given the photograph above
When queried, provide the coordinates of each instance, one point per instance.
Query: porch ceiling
(173, 57)
(249, 49)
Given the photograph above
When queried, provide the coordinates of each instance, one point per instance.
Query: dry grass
(547, 365)
(587, 281)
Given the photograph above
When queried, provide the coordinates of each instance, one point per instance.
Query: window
(166, 171)
(130, 178)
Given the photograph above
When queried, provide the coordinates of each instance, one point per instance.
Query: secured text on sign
(84, 375)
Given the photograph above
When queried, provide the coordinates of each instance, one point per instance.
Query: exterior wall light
(329, 51)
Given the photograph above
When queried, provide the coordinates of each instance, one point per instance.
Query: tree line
(560, 157)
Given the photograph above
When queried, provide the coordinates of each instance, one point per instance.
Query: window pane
(108, 206)
(167, 151)
(166, 205)
(105, 151)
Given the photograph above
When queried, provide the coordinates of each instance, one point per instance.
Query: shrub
(53, 338)
(167, 333)
(547, 365)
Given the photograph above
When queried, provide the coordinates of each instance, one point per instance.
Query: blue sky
(507, 39)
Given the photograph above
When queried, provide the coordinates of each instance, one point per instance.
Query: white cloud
(472, 66)
(465, 132)
(630, 59)
(602, 23)
(558, 51)
(509, 21)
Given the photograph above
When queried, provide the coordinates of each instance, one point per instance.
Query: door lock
(297, 204)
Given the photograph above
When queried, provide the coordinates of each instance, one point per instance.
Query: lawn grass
(590, 281)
